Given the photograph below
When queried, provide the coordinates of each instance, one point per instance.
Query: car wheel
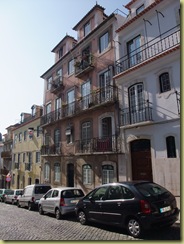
(134, 228)
(18, 204)
(13, 202)
(58, 214)
(29, 206)
(82, 217)
(40, 210)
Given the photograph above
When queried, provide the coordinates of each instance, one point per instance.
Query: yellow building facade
(26, 160)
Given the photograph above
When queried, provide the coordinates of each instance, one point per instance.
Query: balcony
(100, 97)
(98, 145)
(84, 64)
(6, 154)
(168, 41)
(28, 167)
(136, 114)
(49, 150)
(57, 85)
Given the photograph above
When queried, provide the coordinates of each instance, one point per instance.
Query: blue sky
(29, 30)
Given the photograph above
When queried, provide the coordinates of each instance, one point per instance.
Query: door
(70, 175)
(141, 160)
(133, 50)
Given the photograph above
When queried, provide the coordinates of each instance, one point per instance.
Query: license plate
(165, 209)
(74, 201)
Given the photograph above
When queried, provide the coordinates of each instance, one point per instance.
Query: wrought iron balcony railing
(99, 97)
(94, 145)
(57, 84)
(149, 50)
(6, 154)
(84, 64)
(28, 166)
(54, 149)
(136, 114)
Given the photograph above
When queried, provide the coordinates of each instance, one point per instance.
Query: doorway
(70, 175)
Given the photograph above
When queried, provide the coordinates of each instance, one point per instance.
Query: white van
(31, 195)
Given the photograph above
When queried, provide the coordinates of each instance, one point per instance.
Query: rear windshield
(9, 192)
(18, 193)
(41, 189)
(151, 189)
(72, 193)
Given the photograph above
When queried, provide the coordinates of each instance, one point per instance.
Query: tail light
(62, 202)
(33, 199)
(145, 207)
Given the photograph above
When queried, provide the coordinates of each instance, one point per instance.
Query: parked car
(31, 195)
(4, 192)
(136, 206)
(12, 198)
(60, 201)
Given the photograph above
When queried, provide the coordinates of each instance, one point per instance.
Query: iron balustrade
(158, 45)
(96, 98)
(94, 145)
(136, 114)
(54, 149)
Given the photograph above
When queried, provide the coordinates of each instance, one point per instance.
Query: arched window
(164, 82)
(87, 174)
(171, 147)
(57, 172)
(107, 174)
(47, 172)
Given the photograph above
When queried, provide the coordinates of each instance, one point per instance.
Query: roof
(67, 36)
(129, 4)
(97, 6)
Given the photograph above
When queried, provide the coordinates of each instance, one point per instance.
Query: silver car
(12, 198)
(60, 201)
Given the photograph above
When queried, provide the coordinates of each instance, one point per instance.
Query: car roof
(65, 188)
(130, 183)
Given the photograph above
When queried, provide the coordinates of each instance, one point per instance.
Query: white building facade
(148, 77)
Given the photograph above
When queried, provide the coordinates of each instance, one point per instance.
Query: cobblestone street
(21, 224)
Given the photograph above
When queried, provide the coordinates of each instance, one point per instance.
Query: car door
(53, 201)
(117, 204)
(45, 201)
(93, 203)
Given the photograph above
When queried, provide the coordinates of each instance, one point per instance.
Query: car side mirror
(91, 199)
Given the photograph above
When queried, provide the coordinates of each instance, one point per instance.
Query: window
(48, 113)
(47, 172)
(87, 28)
(70, 102)
(85, 92)
(140, 9)
(133, 50)
(25, 135)
(49, 83)
(20, 136)
(29, 157)
(15, 139)
(106, 91)
(59, 73)
(171, 147)
(164, 82)
(87, 174)
(107, 174)
(57, 140)
(18, 157)
(24, 157)
(99, 194)
(103, 42)
(71, 66)
(37, 157)
(60, 52)
(135, 93)
(38, 131)
(86, 131)
(57, 172)
(69, 134)
(55, 193)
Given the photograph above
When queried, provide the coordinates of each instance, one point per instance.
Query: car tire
(134, 227)
(40, 210)
(13, 202)
(18, 204)
(58, 214)
(30, 206)
(82, 217)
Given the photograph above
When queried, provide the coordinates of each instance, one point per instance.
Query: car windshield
(41, 189)
(72, 193)
(151, 189)
(18, 192)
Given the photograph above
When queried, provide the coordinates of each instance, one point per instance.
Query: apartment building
(148, 75)
(80, 124)
(6, 156)
(27, 141)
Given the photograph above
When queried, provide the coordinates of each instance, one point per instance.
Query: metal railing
(103, 144)
(158, 45)
(136, 114)
(108, 94)
(54, 149)
(84, 64)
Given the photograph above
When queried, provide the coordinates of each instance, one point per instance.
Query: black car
(136, 206)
